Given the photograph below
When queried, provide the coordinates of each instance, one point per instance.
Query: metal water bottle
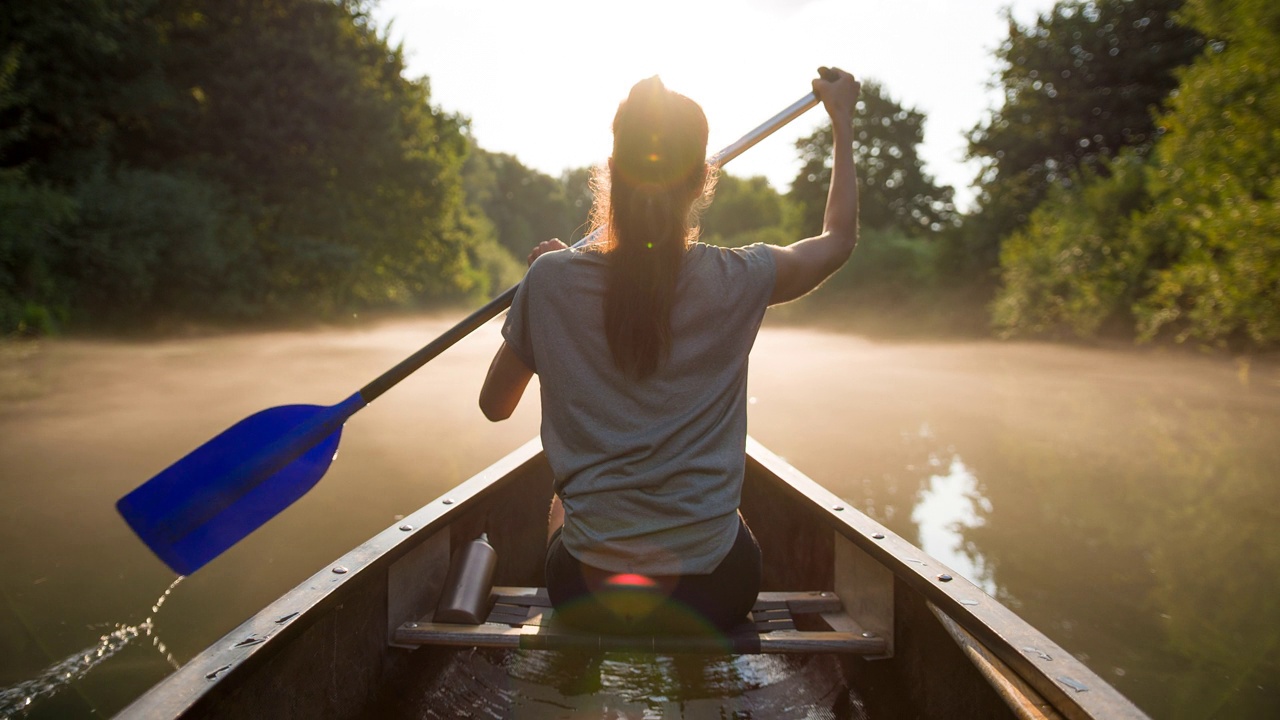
(466, 597)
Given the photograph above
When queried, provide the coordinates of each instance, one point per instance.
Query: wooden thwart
(522, 618)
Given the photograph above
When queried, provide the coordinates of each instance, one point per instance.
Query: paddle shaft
(494, 307)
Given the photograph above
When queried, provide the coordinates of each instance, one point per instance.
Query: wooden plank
(796, 550)
(804, 601)
(797, 601)
(1024, 701)
(414, 581)
(865, 588)
(527, 596)
(797, 641)
(486, 635)
(509, 618)
(763, 615)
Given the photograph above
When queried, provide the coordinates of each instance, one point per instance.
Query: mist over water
(1123, 501)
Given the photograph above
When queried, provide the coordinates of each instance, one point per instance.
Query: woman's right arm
(508, 375)
(803, 266)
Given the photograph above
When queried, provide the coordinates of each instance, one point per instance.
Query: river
(1125, 501)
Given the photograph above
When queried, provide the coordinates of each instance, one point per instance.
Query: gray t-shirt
(649, 471)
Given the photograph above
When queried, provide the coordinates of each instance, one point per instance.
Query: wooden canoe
(907, 636)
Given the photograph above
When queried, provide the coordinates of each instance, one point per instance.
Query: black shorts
(598, 601)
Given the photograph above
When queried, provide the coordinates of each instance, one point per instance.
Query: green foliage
(1076, 266)
(895, 192)
(82, 71)
(744, 211)
(1215, 225)
(889, 268)
(524, 206)
(1079, 85)
(145, 240)
(31, 217)
(228, 158)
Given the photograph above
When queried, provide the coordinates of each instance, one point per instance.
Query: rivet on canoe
(878, 536)
(406, 527)
(944, 577)
(411, 625)
(868, 635)
(838, 508)
(447, 501)
(339, 570)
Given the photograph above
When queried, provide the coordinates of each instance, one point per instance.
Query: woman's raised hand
(545, 247)
(839, 93)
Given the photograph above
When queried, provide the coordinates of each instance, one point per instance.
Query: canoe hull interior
(325, 649)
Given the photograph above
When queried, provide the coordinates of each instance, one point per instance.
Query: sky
(541, 80)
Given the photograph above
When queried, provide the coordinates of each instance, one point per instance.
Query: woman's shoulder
(564, 268)
(754, 257)
(564, 260)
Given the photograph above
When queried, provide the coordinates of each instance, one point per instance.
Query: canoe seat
(522, 617)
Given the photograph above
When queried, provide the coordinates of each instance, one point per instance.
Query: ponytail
(657, 175)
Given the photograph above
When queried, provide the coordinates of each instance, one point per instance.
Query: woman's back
(649, 469)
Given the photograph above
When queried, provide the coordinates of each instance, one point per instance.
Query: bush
(151, 241)
(31, 218)
(1076, 267)
(1216, 217)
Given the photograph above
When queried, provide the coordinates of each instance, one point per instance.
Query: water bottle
(469, 584)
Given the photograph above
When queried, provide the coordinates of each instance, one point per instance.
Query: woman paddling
(640, 343)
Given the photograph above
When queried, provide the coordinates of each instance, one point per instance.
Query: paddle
(223, 490)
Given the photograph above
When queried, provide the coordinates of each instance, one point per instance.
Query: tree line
(249, 159)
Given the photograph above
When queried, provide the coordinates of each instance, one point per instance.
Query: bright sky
(542, 79)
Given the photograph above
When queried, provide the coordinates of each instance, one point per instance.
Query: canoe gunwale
(255, 640)
(1036, 659)
(216, 672)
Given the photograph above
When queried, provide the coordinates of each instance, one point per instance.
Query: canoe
(852, 621)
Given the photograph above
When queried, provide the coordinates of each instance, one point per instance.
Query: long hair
(648, 204)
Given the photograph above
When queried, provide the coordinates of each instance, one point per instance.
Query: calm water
(1125, 502)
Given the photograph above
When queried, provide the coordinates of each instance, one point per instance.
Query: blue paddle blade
(195, 509)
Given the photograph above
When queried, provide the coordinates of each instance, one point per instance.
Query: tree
(742, 212)
(80, 71)
(895, 192)
(350, 180)
(1079, 84)
(1214, 229)
(224, 159)
(524, 205)
(1074, 269)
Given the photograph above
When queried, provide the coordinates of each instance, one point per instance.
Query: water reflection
(947, 507)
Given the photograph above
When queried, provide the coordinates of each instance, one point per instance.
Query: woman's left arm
(504, 385)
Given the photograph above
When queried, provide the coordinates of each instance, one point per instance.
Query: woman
(640, 344)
